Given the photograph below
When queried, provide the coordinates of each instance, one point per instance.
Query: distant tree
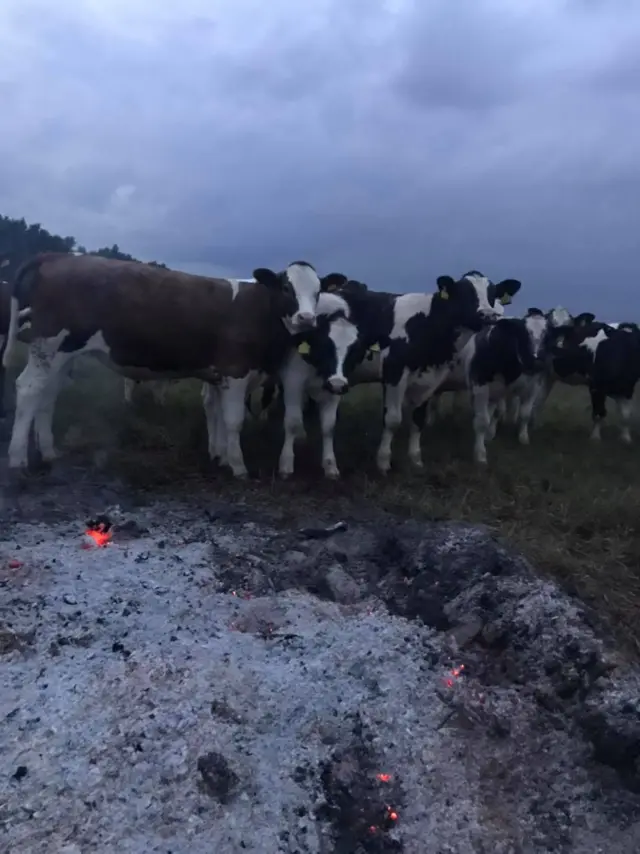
(19, 242)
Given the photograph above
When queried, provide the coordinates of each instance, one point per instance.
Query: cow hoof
(417, 464)
(285, 475)
(332, 474)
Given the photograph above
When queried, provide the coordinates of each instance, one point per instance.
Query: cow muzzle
(303, 320)
(337, 385)
(536, 366)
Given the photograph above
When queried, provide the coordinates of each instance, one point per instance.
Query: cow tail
(20, 297)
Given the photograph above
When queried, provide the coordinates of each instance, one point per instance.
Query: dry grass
(570, 506)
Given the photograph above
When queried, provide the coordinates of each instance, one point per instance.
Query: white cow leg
(212, 414)
(329, 404)
(481, 422)
(598, 413)
(417, 422)
(30, 388)
(542, 393)
(625, 408)
(3, 376)
(492, 414)
(433, 412)
(293, 429)
(525, 413)
(233, 398)
(294, 376)
(393, 401)
(43, 421)
(128, 390)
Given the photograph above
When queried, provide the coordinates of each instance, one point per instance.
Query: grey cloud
(390, 141)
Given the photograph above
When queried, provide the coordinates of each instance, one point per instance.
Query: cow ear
(266, 277)
(507, 289)
(332, 282)
(534, 312)
(446, 285)
(584, 319)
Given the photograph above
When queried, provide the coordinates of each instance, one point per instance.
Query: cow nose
(304, 319)
(338, 385)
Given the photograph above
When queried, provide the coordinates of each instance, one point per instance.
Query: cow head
(472, 299)
(538, 329)
(298, 288)
(335, 347)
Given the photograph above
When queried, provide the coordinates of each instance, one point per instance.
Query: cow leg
(30, 388)
(160, 392)
(525, 412)
(216, 432)
(211, 406)
(598, 412)
(128, 390)
(481, 421)
(625, 408)
(43, 420)
(294, 379)
(3, 375)
(393, 402)
(431, 411)
(492, 410)
(418, 419)
(543, 392)
(232, 398)
(328, 415)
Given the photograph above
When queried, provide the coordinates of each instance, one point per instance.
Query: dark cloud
(393, 141)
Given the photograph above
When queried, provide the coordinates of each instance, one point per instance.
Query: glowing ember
(15, 564)
(100, 538)
(392, 815)
(99, 532)
(384, 778)
(456, 673)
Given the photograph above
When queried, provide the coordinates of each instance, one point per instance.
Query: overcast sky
(389, 140)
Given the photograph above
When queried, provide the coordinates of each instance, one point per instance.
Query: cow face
(537, 328)
(473, 298)
(334, 349)
(298, 288)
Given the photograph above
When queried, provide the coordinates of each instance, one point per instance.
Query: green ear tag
(304, 349)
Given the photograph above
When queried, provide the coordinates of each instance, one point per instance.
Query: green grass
(568, 504)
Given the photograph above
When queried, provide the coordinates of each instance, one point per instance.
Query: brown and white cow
(5, 313)
(152, 323)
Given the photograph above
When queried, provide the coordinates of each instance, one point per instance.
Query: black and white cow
(507, 362)
(318, 367)
(420, 336)
(606, 358)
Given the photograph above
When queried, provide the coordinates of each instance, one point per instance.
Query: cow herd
(301, 336)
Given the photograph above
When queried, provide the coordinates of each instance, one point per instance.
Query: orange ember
(100, 538)
(384, 778)
(456, 673)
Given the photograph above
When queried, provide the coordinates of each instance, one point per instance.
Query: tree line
(20, 241)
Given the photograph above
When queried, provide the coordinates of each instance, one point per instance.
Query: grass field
(570, 505)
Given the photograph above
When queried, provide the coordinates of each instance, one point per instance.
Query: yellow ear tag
(331, 288)
(505, 300)
(444, 294)
(304, 349)
(375, 348)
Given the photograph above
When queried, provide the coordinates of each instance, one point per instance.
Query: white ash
(142, 663)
